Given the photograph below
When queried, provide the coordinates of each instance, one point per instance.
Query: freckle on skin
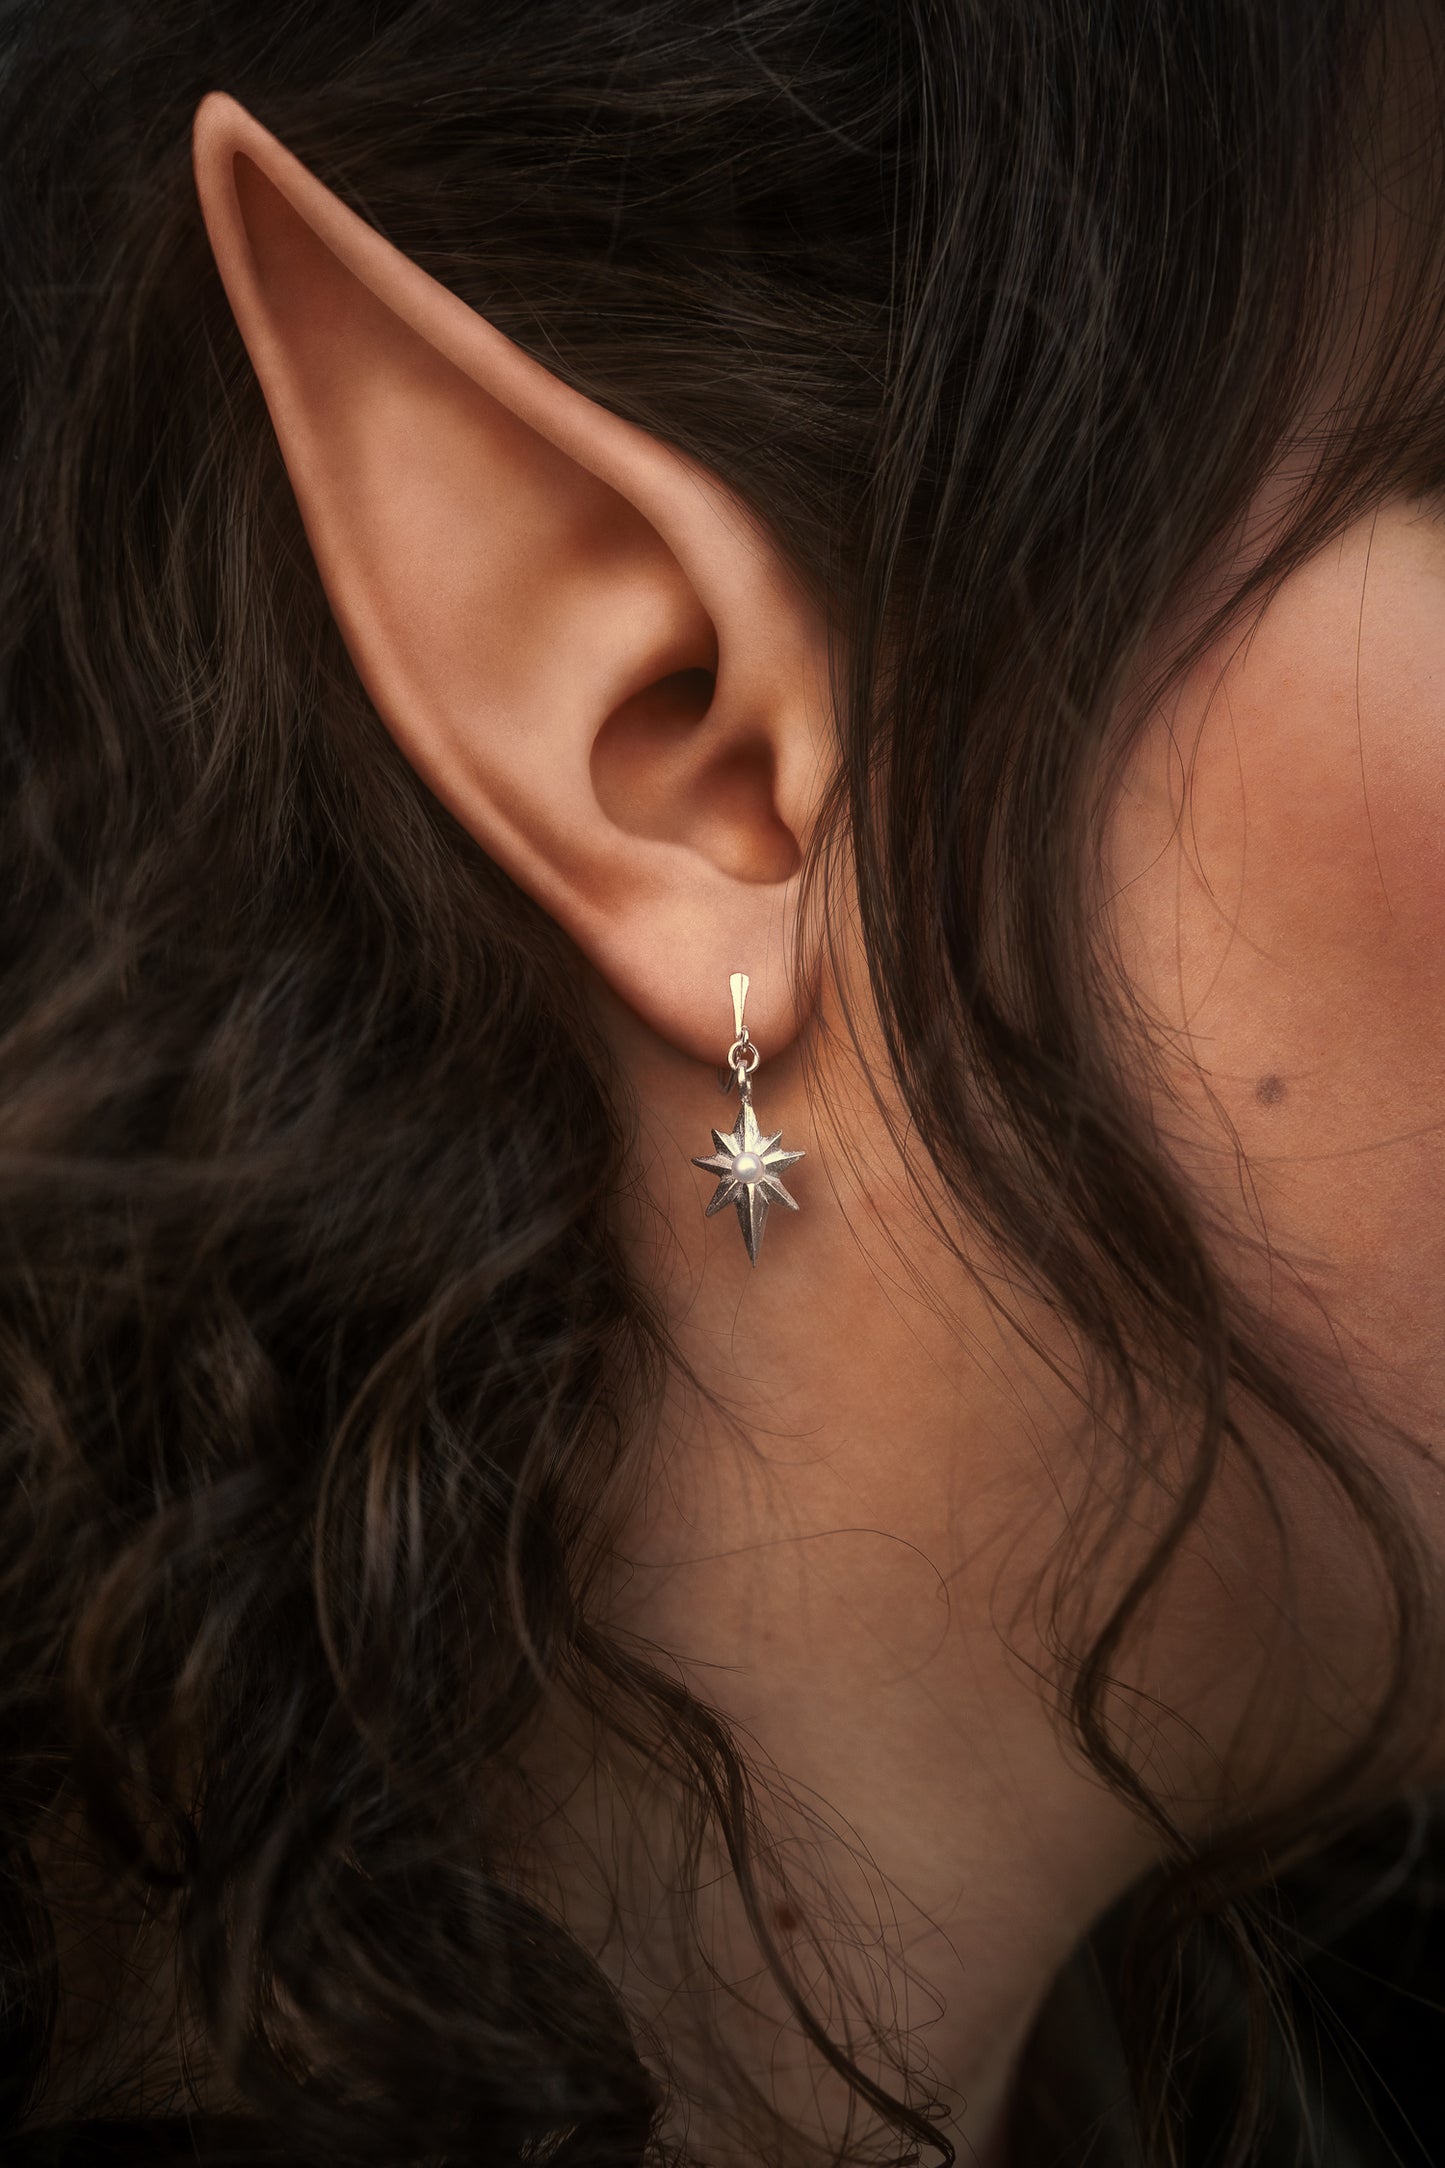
(1269, 1091)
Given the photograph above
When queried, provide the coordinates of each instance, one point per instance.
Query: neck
(838, 1543)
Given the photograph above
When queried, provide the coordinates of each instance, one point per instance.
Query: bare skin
(845, 1571)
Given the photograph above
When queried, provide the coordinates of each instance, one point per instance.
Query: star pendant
(748, 1166)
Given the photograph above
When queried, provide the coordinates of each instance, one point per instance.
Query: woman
(558, 556)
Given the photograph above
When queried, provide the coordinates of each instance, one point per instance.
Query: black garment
(177, 2141)
(1368, 1921)
(1364, 1928)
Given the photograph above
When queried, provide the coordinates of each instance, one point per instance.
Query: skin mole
(1270, 1090)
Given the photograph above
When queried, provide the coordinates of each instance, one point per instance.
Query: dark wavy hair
(320, 1372)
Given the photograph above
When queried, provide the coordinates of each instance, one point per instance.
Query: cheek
(1277, 867)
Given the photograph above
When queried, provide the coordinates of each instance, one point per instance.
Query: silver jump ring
(738, 1054)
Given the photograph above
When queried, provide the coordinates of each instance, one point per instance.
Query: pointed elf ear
(586, 647)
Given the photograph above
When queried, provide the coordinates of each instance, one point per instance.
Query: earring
(747, 1164)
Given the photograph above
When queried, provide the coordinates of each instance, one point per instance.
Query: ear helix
(748, 1165)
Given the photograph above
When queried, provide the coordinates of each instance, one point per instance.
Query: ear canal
(591, 654)
(656, 775)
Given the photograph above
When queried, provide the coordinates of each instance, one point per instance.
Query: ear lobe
(588, 649)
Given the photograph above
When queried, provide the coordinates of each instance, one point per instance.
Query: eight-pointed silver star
(748, 1166)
